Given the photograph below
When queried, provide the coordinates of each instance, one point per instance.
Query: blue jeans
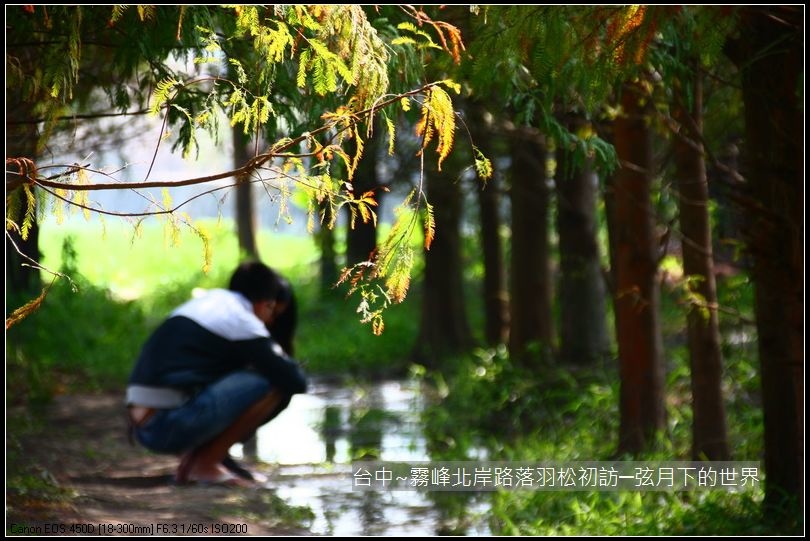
(204, 416)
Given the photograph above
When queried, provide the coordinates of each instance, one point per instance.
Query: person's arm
(269, 359)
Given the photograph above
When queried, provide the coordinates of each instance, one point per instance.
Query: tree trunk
(531, 319)
(770, 55)
(245, 211)
(583, 331)
(326, 241)
(21, 142)
(496, 301)
(444, 329)
(21, 277)
(709, 438)
(361, 240)
(636, 296)
(727, 219)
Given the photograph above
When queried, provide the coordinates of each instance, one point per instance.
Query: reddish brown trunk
(709, 438)
(636, 295)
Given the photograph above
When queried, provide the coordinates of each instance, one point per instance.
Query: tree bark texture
(709, 434)
(770, 55)
(583, 329)
(531, 317)
(636, 295)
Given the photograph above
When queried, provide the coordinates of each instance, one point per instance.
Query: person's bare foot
(214, 474)
(184, 467)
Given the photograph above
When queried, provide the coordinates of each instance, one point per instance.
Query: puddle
(311, 445)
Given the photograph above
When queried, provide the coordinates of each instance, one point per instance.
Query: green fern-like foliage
(438, 121)
(549, 61)
(692, 37)
(344, 50)
(28, 219)
(386, 278)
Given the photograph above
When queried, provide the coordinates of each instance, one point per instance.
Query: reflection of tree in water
(366, 422)
(372, 517)
(365, 438)
(368, 504)
(364, 431)
(331, 430)
(453, 508)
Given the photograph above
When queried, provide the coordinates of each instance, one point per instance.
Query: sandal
(240, 471)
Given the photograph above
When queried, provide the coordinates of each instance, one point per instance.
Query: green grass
(332, 342)
(630, 513)
(133, 264)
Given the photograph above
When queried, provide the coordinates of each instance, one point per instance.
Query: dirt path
(112, 487)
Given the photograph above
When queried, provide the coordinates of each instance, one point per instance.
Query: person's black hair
(282, 329)
(256, 281)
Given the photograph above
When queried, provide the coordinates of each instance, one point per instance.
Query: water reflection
(331, 430)
(313, 443)
(366, 419)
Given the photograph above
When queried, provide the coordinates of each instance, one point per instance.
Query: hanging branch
(276, 151)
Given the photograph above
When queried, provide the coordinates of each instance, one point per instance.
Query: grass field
(134, 263)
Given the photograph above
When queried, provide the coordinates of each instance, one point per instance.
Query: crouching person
(211, 374)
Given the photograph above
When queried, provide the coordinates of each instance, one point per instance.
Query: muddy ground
(74, 472)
